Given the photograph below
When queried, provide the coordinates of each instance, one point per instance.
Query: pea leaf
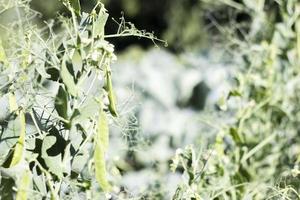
(61, 103)
(42, 71)
(76, 6)
(235, 135)
(54, 163)
(67, 79)
(6, 188)
(100, 22)
(76, 62)
(85, 113)
(39, 181)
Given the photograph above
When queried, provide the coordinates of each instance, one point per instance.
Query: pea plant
(255, 154)
(57, 101)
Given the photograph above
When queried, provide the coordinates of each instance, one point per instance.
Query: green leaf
(85, 113)
(235, 135)
(6, 188)
(101, 143)
(61, 103)
(234, 93)
(42, 71)
(98, 30)
(24, 186)
(67, 79)
(76, 6)
(39, 181)
(76, 62)
(54, 163)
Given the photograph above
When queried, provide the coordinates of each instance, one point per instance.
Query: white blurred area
(156, 87)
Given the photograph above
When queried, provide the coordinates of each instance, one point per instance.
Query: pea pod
(3, 58)
(101, 145)
(24, 186)
(19, 147)
(111, 95)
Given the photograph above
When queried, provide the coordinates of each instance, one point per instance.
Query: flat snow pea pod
(101, 144)
(3, 58)
(24, 186)
(103, 130)
(12, 102)
(111, 95)
(298, 38)
(19, 147)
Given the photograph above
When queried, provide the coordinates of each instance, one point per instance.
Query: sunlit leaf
(76, 62)
(42, 71)
(39, 181)
(54, 163)
(85, 113)
(68, 80)
(100, 22)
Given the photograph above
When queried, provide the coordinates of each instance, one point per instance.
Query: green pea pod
(3, 58)
(19, 147)
(111, 96)
(101, 144)
(298, 38)
(24, 185)
(103, 130)
(12, 102)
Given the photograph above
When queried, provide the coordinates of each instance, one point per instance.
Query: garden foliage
(57, 101)
(255, 153)
(57, 104)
